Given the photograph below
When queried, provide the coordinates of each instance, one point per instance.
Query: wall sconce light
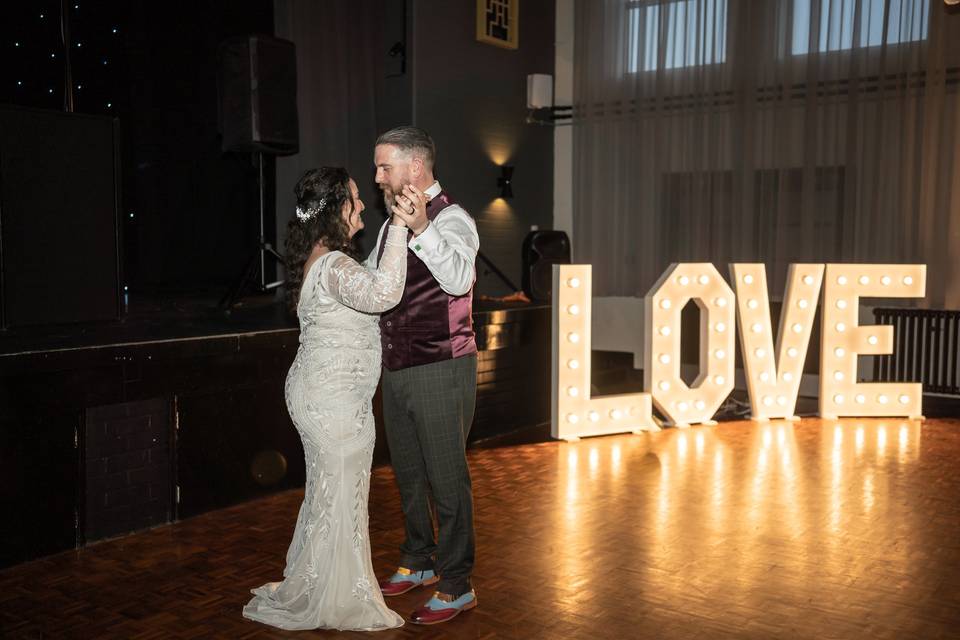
(540, 107)
(505, 181)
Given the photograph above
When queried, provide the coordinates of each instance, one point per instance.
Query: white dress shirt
(448, 247)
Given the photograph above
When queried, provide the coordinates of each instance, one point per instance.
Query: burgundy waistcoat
(429, 325)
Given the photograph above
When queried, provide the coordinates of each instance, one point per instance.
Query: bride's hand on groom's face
(402, 209)
(411, 206)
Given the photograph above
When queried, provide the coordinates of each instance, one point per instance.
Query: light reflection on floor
(824, 515)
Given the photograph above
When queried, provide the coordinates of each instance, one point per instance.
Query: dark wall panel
(40, 489)
(58, 217)
(235, 445)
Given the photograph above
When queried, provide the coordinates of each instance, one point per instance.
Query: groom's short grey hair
(411, 140)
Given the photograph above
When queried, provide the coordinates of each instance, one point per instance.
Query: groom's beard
(388, 200)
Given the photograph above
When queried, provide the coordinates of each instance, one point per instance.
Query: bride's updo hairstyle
(321, 194)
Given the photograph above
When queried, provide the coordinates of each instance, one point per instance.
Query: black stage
(159, 317)
(178, 408)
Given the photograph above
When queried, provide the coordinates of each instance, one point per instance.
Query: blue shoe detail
(436, 604)
(414, 576)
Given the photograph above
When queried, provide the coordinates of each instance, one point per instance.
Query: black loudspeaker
(258, 95)
(59, 231)
(542, 250)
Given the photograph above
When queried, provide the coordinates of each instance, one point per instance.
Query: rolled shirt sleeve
(448, 247)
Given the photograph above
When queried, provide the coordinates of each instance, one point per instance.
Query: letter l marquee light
(575, 412)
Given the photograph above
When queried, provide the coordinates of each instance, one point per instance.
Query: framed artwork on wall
(498, 22)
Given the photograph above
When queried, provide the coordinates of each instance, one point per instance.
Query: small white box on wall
(539, 91)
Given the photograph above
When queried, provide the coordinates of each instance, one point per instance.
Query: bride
(328, 581)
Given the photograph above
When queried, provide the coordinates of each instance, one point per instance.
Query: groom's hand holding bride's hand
(411, 207)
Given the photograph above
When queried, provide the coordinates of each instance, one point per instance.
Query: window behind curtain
(699, 217)
(908, 21)
(692, 32)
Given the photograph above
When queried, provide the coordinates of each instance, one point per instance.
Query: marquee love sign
(773, 363)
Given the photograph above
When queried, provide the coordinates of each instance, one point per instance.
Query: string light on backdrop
(53, 50)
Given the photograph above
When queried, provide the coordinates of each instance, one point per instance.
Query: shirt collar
(433, 190)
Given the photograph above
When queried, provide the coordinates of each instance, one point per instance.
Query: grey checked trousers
(428, 412)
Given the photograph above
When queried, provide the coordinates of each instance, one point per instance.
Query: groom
(429, 378)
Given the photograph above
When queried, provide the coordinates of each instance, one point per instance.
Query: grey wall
(471, 97)
(340, 62)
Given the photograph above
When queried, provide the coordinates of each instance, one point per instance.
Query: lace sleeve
(369, 290)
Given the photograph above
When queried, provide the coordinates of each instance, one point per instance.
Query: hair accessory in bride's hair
(306, 214)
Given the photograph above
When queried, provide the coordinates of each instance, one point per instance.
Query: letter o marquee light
(701, 282)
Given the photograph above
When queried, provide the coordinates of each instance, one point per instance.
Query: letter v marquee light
(773, 384)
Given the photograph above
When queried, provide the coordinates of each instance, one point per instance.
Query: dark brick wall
(128, 468)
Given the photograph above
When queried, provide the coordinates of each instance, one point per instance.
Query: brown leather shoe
(442, 607)
(404, 580)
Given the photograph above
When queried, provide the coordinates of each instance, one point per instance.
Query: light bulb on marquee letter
(842, 340)
(682, 404)
(575, 413)
(766, 378)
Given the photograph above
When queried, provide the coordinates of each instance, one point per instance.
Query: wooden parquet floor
(819, 529)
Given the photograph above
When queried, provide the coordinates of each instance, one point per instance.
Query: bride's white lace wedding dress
(329, 580)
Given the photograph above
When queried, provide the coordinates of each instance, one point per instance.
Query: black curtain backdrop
(189, 211)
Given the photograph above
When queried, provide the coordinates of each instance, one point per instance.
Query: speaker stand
(248, 278)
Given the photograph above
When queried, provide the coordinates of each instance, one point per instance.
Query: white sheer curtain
(777, 131)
